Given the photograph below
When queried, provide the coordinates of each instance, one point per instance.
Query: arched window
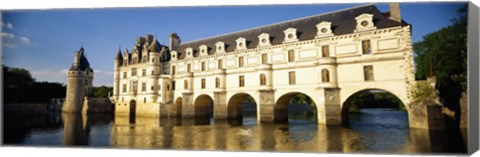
(217, 82)
(263, 79)
(185, 84)
(325, 75)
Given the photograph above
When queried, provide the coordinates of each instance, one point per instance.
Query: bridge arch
(235, 106)
(203, 106)
(281, 105)
(346, 104)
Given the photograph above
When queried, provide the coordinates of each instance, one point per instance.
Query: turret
(79, 83)
(116, 74)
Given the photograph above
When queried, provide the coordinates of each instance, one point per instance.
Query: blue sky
(43, 41)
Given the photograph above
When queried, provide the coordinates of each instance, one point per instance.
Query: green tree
(19, 87)
(443, 54)
(102, 91)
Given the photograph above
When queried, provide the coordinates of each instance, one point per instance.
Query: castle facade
(328, 57)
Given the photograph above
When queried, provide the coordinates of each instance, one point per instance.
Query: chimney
(395, 12)
(174, 41)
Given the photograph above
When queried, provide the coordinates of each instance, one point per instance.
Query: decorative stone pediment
(174, 55)
(364, 22)
(189, 52)
(203, 50)
(220, 47)
(241, 44)
(290, 35)
(324, 29)
(264, 40)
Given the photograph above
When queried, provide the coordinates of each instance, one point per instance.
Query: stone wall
(96, 105)
(426, 115)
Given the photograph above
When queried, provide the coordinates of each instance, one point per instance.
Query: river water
(369, 131)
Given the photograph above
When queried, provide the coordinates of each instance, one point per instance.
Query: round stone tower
(79, 83)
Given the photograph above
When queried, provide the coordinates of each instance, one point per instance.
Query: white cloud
(9, 40)
(24, 40)
(7, 25)
(50, 75)
(8, 35)
(100, 77)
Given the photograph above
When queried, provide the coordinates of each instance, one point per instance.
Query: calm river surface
(371, 131)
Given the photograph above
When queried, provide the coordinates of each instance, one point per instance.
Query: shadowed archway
(373, 102)
(133, 111)
(178, 106)
(240, 106)
(203, 106)
(292, 104)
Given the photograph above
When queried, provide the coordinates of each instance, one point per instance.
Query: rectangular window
(220, 64)
(203, 66)
(325, 51)
(124, 74)
(291, 55)
(173, 70)
(173, 85)
(134, 71)
(124, 88)
(144, 87)
(291, 77)
(366, 47)
(152, 88)
(144, 72)
(368, 72)
(264, 58)
(153, 72)
(203, 83)
(240, 62)
(241, 81)
(134, 86)
(189, 68)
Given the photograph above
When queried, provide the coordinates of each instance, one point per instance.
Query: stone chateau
(328, 57)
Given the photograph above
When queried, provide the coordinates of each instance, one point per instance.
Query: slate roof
(343, 22)
(142, 47)
(83, 64)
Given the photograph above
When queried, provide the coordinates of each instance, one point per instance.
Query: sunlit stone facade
(328, 57)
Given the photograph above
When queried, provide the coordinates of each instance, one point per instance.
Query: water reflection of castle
(185, 134)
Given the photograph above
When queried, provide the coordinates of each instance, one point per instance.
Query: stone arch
(234, 106)
(346, 102)
(203, 106)
(281, 108)
(178, 106)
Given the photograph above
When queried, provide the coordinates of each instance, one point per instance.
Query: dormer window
(290, 35)
(203, 50)
(174, 55)
(189, 52)
(364, 22)
(220, 47)
(324, 29)
(264, 39)
(241, 44)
